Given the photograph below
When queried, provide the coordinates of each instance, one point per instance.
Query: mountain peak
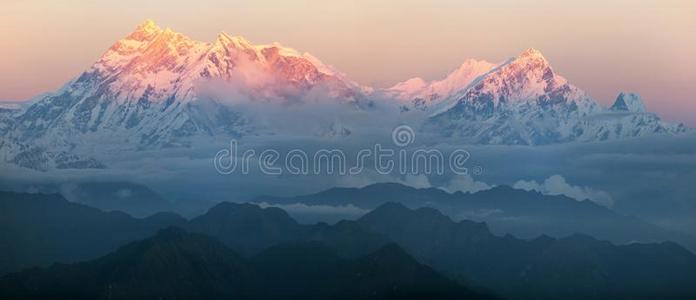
(527, 77)
(531, 60)
(148, 26)
(248, 212)
(152, 64)
(532, 53)
(145, 31)
(628, 102)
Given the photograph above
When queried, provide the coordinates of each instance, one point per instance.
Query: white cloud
(465, 183)
(417, 181)
(557, 185)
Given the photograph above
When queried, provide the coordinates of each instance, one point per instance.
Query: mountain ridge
(159, 89)
(156, 89)
(506, 210)
(430, 95)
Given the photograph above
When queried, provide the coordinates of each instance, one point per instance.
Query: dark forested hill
(574, 267)
(39, 229)
(175, 264)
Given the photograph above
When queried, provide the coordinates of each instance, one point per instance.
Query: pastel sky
(604, 47)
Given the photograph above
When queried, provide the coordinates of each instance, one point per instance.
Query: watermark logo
(403, 135)
(390, 159)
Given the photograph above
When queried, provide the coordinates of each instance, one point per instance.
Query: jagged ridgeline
(157, 88)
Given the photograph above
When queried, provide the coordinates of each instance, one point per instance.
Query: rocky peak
(145, 31)
(628, 102)
(532, 53)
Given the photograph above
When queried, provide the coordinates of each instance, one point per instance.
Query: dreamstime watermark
(382, 159)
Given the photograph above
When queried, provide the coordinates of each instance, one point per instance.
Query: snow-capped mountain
(523, 101)
(420, 94)
(157, 63)
(159, 88)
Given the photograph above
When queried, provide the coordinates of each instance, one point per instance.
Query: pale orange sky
(603, 47)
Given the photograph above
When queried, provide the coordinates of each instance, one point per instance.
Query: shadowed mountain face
(38, 229)
(175, 264)
(246, 227)
(249, 229)
(507, 211)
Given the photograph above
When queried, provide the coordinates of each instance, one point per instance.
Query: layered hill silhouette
(573, 267)
(521, 213)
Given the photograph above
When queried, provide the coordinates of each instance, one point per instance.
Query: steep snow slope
(523, 101)
(419, 94)
(158, 88)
